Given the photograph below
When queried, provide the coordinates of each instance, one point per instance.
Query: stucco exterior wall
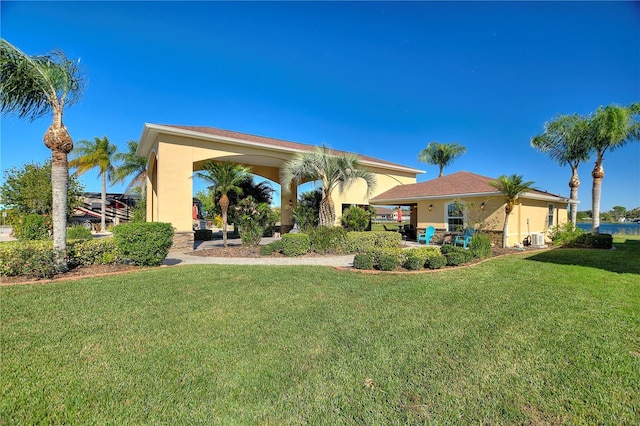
(492, 215)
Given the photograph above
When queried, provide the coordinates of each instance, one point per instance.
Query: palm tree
(566, 141)
(225, 178)
(511, 188)
(611, 127)
(332, 171)
(130, 165)
(32, 87)
(89, 155)
(441, 154)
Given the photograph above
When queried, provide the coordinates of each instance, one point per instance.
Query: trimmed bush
(414, 261)
(99, 251)
(33, 259)
(387, 262)
(78, 232)
(358, 242)
(295, 244)
(435, 261)
(32, 227)
(202, 235)
(480, 246)
(363, 261)
(272, 247)
(455, 258)
(599, 241)
(326, 239)
(143, 244)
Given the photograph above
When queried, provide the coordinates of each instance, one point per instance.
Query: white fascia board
(546, 197)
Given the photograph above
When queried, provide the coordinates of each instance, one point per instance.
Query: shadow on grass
(624, 259)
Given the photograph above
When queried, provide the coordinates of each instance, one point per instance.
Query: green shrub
(358, 242)
(363, 261)
(328, 239)
(414, 261)
(600, 241)
(203, 235)
(145, 243)
(98, 251)
(272, 247)
(447, 248)
(295, 244)
(480, 246)
(387, 262)
(435, 261)
(455, 258)
(565, 235)
(356, 218)
(33, 259)
(32, 227)
(78, 232)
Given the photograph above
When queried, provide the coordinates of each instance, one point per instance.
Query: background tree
(307, 210)
(35, 86)
(511, 188)
(441, 154)
(29, 190)
(619, 213)
(331, 171)
(611, 127)
(224, 177)
(89, 155)
(130, 165)
(565, 139)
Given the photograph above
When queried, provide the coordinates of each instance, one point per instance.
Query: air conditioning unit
(537, 240)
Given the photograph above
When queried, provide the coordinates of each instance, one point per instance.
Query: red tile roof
(278, 143)
(455, 184)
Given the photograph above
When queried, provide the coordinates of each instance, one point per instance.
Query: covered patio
(175, 152)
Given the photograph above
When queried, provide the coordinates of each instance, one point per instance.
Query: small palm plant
(511, 188)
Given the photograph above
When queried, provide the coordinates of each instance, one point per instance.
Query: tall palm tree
(89, 155)
(225, 178)
(566, 140)
(511, 188)
(130, 165)
(332, 171)
(441, 154)
(32, 87)
(612, 127)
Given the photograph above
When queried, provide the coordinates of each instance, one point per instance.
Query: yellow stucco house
(175, 152)
(437, 203)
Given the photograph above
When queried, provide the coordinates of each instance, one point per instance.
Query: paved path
(180, 258)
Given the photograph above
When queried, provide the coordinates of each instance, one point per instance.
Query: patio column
(286, 216)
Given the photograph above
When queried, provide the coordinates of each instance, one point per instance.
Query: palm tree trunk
(224, 206)
(441, 170)
(505, 231)
(574, 183)
(103, 202)
(327, 215)
(596, 190)
(59, 183)
(58, 140)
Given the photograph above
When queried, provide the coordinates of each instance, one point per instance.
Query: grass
(526, 339)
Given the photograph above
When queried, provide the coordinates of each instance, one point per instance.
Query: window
(455, 218)
(550, 215)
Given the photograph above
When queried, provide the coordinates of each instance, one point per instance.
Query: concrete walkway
(180, 258)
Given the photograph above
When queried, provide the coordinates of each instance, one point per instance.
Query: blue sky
(377, 78)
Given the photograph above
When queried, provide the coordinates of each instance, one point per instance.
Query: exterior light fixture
(482, 205)
(430, 207)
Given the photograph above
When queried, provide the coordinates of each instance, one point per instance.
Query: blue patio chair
(466, 238)
(427, 235)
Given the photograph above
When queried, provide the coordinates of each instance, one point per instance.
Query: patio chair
(466, 238)
(427, 235)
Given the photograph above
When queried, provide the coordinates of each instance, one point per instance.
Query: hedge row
(143, 244)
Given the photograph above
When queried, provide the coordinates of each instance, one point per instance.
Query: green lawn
(550, 337)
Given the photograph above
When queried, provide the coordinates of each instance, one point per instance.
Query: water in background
(614, 228)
